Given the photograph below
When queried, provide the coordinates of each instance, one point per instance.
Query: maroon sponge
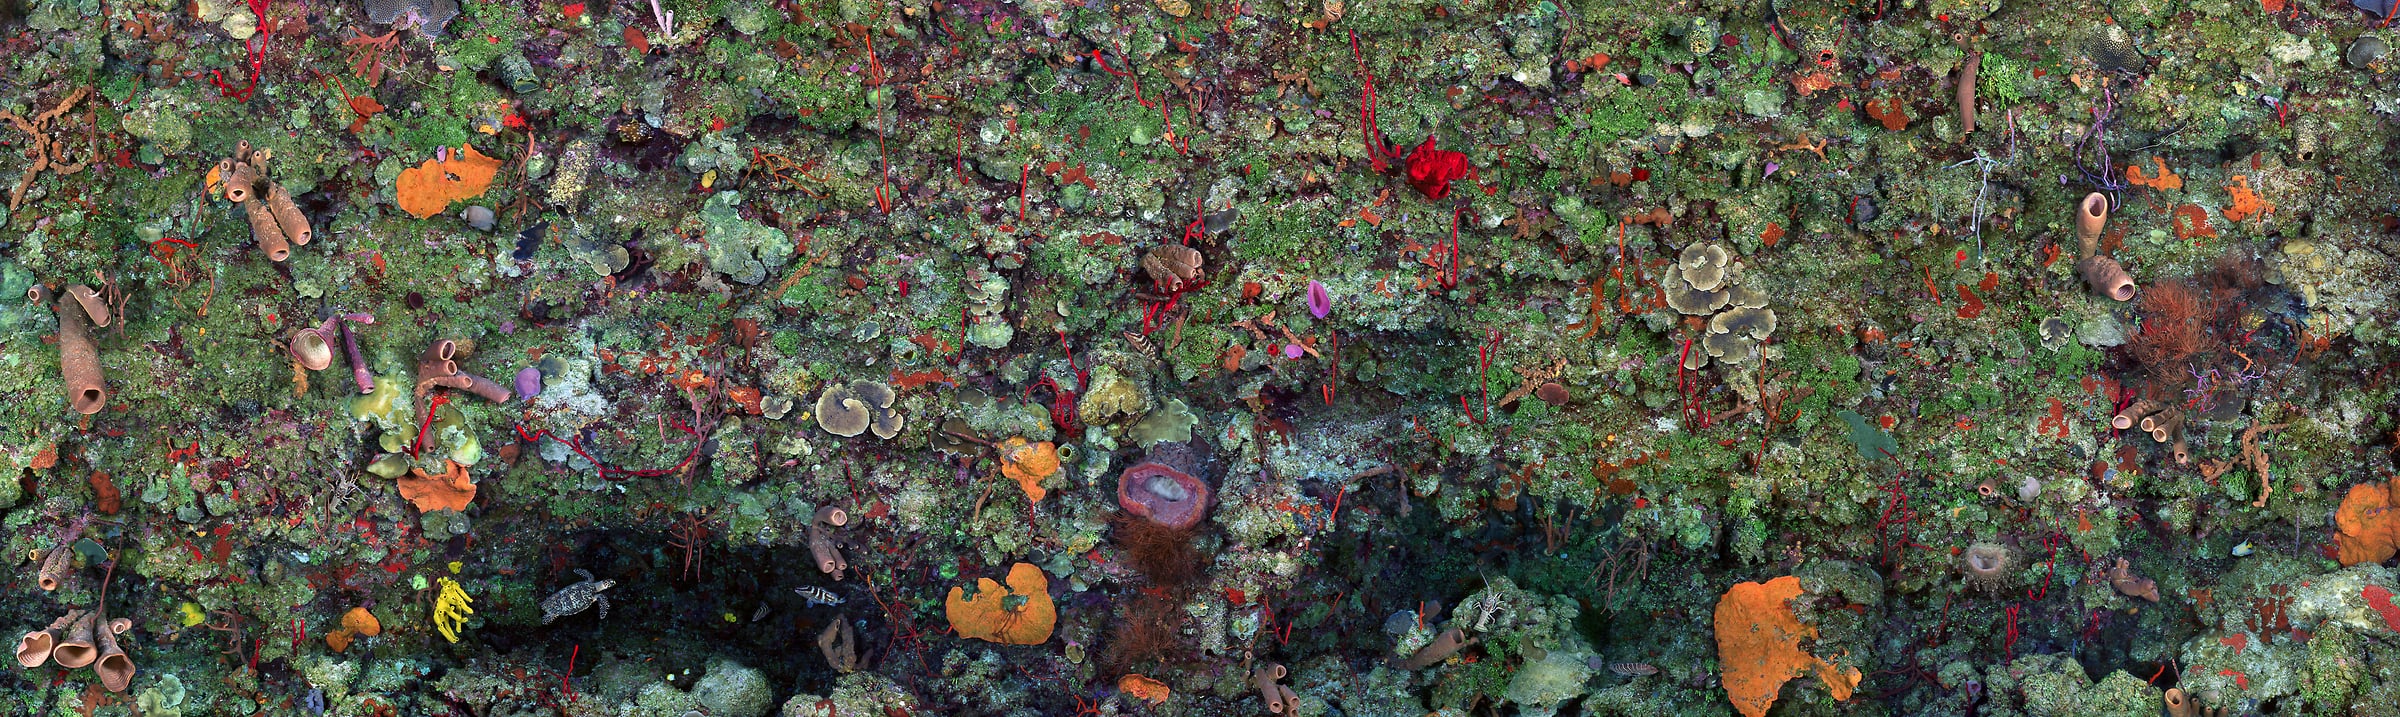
(1163, 494)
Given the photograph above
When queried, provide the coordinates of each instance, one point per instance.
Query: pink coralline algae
(1163, 494)
(1320, 302)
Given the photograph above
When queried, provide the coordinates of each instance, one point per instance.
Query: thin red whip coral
(2009, 643)
(1897, 516)
(257, 48)
(1448, 273)
(1380, 151)
(1483, 370)
(2049, 566)
(900, 619)
(1165, 116)
(431, 408)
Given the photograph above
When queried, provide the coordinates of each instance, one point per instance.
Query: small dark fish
(1632, 669)
(818, 596)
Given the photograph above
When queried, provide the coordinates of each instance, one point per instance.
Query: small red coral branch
(2010, 642)
(431, 408)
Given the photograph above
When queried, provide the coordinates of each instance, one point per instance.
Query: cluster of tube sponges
(81, 637)
(276, 222)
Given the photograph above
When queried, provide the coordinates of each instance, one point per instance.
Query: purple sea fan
(1320, 303)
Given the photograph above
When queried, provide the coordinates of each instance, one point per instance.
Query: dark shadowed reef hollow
(1198, 358)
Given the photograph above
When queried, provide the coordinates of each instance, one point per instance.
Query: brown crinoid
(1987, 565)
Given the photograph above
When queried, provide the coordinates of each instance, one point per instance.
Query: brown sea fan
(1163, 554)
(2172, 332)
(1146, 631)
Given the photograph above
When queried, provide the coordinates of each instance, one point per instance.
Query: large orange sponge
(1020, 615)
(448, 490)
(428, 189)
(1758, 643)
(2370, 524)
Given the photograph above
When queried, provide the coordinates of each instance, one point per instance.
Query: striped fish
(818, 596)
(1632, 669)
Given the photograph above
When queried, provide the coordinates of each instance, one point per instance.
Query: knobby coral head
(1430, 169)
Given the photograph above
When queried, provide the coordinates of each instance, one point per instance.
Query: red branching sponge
(1431, 170)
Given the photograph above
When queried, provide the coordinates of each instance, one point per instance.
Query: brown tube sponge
(78, 356)
(94, 307)
(2091, 216)
(241, 183)
(263, 228)
(438, 366)
(34, 649)
(821, 545)
(2106, 277)
(288, 216)
(2162, 423)
(55, 566)
(484, 387)
(114, 667)
(2135, 412)
(1966, 92)
(839, 644)
(1443, 646)
(81, 645)
(1279, 699)
(828, 556)
(438, 360)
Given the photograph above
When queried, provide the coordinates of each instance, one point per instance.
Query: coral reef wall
(1307, 357)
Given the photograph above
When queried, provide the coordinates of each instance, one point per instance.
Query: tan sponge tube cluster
(81, 638)
(275, 220)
